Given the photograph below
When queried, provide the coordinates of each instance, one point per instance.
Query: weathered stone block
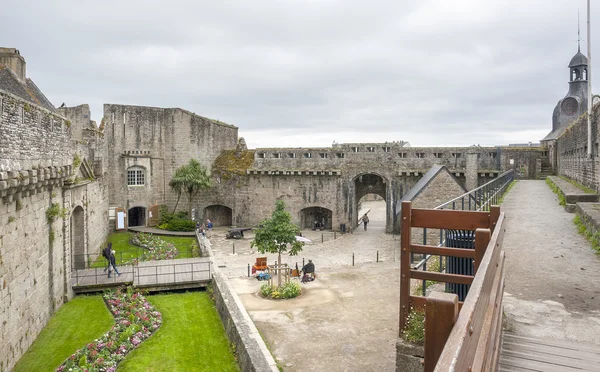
(409, 357)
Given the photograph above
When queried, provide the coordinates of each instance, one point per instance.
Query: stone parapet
(15, 185)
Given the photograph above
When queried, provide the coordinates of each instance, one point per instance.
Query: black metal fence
(479, 199)
(127, 257)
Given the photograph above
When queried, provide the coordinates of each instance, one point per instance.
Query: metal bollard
(321, 238)
(377, 256)
(302, 261)
(248, 270)
(353, 259)
(334, 235)
(233, 248)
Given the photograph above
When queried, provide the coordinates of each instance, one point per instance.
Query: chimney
(11, 58)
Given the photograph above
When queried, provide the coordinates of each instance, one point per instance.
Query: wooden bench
(260, 265)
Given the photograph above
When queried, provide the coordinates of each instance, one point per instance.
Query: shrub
(288, 290)
(181, 225)
(415, 327)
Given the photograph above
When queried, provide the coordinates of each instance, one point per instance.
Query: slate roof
(578, 59)
(28, 91)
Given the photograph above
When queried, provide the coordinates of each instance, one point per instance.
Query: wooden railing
(458, 336)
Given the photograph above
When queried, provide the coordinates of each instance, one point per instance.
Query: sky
(307, 73)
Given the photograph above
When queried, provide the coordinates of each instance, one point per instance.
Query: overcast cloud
(310, 72)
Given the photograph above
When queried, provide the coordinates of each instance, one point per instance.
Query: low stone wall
(589, 213)
(571, 193)
(252, 353)
(409, 357)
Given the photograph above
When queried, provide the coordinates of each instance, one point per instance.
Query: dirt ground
(347, 319)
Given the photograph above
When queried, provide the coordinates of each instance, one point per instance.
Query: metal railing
(479, 199)
(125, 257)
(146, 275)
(177, 273)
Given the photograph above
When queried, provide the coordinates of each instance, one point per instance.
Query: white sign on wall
(512, 161)
(120, 220)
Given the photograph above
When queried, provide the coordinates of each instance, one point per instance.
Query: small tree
(190, 178)
(276, 234)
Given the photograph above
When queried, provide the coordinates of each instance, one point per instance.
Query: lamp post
(589, 79)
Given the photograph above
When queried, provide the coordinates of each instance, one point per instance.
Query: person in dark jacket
(113, 262)
(309, 272)
(106, 254)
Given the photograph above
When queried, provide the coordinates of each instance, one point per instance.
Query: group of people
(109, 254)
(205, 226)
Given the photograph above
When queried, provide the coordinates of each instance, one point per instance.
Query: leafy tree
(189, 179)
(277, 234)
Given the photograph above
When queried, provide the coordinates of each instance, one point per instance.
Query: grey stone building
(571, 107)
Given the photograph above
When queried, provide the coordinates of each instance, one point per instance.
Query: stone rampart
(31, 136)
(571, 152)
(252, 353)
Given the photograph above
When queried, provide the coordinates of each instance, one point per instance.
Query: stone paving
(552, 275)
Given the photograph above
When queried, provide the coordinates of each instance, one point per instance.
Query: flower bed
(135, 320)
(156, 248)
(288, 290)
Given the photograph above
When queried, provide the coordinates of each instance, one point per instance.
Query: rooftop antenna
(578, 33)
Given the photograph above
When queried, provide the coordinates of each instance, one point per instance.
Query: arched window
(136, 176)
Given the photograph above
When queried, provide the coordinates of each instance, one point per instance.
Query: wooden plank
(494, 215)
(559, 344)
(459, 349)
(519, 363)
(450, 219)
(419, 302)
(482, 239)
(441, 312)
(498, 336)
(441, 277)
(552, 358)
(485, 347)
(442, 251)
(549, 350)
(405, 240)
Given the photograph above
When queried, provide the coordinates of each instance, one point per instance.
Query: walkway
(152, 275)
(552, 274)
(155, 231)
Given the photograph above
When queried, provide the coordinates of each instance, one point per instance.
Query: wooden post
(441, 312)
(482, 239)
(405, 241)
(494, 215)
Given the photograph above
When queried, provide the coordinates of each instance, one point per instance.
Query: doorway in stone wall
(77, 228)
(371, 193)
(136, 216)
(316, 217)
(219, 215)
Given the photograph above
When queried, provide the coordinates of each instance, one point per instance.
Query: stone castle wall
(159, 140)
(32, 137)
(571, 152)
(37, 170)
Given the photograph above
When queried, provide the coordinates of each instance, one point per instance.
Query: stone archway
(136, 216)
(309, 215)
(77, 229)
(219, 215)
(370, 183)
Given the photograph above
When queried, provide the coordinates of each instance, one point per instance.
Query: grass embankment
(76, 323)
(512, 184)
(554, 188)
(585, 189)
(126, 252)
(592, 237)
(191, 338)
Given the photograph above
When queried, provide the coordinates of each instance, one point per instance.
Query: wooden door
(153, 215)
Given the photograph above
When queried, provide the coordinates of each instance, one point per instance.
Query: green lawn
(77, 323)
(125, 251)
(191, 338)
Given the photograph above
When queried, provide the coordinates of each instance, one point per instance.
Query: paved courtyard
(347, 319)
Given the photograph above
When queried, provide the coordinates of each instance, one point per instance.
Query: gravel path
(552, 274)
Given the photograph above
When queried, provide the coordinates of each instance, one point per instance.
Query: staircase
(546, 171)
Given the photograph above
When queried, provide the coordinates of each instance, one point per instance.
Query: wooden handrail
(442, 251)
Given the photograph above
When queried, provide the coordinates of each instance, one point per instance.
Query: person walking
(113, 263)
(365, 220)
(106, 254)
(209, 225)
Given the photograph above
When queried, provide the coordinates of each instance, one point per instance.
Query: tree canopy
(277, 235)
(189, 178)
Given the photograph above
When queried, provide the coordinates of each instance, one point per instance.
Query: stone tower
(575, 102)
